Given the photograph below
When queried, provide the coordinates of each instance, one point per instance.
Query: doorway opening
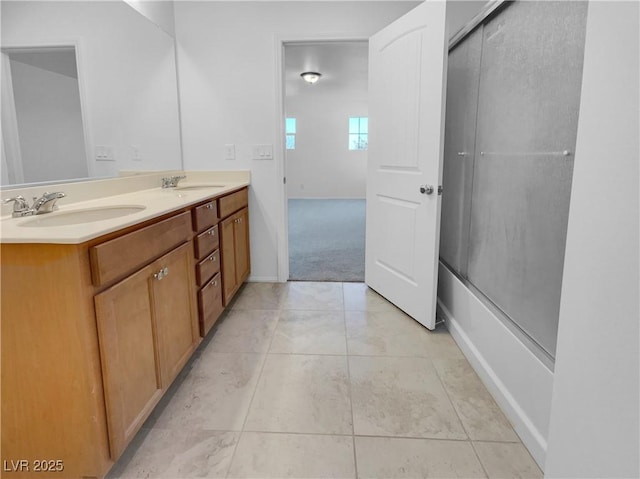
(326, 140)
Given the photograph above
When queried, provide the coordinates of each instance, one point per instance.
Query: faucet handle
(19, 203)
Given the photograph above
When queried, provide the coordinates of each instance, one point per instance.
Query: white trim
(263, 279)
(518, 381)
(282, 228)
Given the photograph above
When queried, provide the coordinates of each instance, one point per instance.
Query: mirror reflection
(88, 89)
(42, 129)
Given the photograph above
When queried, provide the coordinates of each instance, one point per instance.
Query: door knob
(426, 189)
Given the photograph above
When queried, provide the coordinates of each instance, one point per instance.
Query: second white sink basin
(88, 215)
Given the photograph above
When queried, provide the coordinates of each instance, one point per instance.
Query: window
(358, 133)
(290, 131)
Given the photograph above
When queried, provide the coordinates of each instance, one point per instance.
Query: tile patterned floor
(325, 380)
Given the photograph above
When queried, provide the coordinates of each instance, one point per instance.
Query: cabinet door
(241, 243)
(227, 237)
(130, 372)
(174, 310)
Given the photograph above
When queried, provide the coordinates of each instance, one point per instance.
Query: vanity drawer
(210, 304)
(233, 202)
(205, 216)
(121, 256)
(206, 268)
(206, 242)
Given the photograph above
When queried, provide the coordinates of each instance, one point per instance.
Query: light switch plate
(263, 152)
(104, 153)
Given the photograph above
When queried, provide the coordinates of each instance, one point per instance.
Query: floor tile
(479, 413)
(359, 297)
(400, 397)
(244, 332)
(302, 393)
(215, 395)
(260, 296)
(313, 296)
(382, 457)
(310, 332)
(267, 455)
(507, 461)
(163, 453)
(393, 333)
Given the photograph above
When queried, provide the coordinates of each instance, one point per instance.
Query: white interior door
(407, 79)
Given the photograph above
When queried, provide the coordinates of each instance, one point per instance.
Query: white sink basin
(76, 217)
(197, 187)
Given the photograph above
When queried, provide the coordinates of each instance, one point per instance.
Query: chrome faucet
(171, 181)
(45, 204)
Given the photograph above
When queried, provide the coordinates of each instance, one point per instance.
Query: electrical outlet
(135, 153)
(230, 151)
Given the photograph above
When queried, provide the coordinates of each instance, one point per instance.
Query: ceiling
(343, 65)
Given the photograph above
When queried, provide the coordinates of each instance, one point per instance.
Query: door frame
(282, 230)
(39, 44)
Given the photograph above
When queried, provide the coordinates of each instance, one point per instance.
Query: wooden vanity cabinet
(236, 264)
(93, 334)
(207, 256)
(147, 329)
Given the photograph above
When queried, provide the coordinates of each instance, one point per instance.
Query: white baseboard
(519, 382)
(262, 279)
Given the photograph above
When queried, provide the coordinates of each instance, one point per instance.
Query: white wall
(159, 12)
(227, 70)
(322, 166)
(595, 428)
(127, 75)
(50, 123)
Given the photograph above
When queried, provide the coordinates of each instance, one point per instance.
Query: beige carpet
(326, 240)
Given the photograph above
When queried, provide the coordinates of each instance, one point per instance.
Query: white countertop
(156, 202)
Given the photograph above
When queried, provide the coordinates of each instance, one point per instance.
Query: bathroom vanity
(99, 318)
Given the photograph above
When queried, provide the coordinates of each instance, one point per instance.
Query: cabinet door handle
(213, 283)
(212, 233)
(212, 257)
(209, 206)
(161, 274)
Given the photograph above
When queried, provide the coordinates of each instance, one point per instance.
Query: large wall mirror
(89, 89)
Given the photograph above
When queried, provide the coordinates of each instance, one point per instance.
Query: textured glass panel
(529, 97)
(290, 125)
(463, 79)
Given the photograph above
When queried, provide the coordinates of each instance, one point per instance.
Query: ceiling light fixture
(310, 77)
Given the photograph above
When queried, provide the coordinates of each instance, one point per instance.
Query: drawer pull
(212, 257)
(213, 283)
(209, 206)
(161, 274)
(212, 233)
